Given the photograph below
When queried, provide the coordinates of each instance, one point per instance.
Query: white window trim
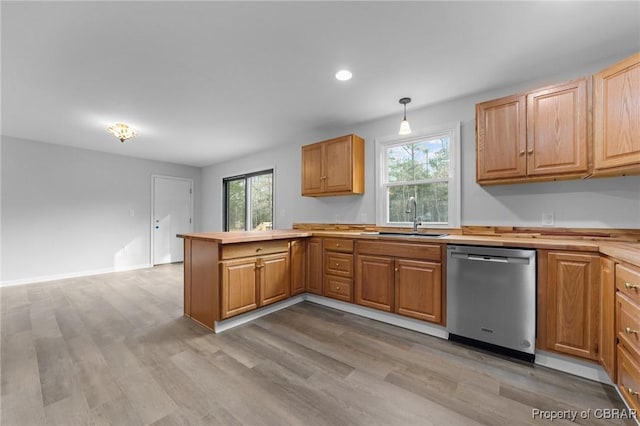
(451, 129)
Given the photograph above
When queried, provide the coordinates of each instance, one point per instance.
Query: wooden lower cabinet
(275, 278)
(338, 288)
(251, 282)
(239, 286)
(314, 266)
(298, 254)
(629, 376)
(572, 303)
(338, 268)
(375, 282)
(607, 317)
(419, 290)
(408, 287)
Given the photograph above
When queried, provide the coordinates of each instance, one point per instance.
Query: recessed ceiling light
(344, 75)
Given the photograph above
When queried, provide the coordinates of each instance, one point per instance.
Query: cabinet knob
(530, 151)
(259, 249)
(630, 330)
(337, 265)
(337, 287)
(631, 286)
(522, 152)
(337, 245)
(396, 269)
(632, 392)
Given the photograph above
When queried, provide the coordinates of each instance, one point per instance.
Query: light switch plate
(547, 219)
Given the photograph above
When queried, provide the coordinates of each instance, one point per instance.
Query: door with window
(248, 202)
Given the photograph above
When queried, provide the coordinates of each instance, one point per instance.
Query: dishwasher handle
(490, 258)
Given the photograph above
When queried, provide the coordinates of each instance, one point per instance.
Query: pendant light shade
(405, 128)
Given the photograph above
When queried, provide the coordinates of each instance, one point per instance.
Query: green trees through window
(248, 201)
(418, 169)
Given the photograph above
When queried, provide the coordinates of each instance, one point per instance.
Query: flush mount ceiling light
(344, 75)
(405, 129)
(122, 131)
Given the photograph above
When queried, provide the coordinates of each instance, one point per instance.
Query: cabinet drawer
(338, 264)
(628, 322)
(404, 250)
(338, 288)
(628, 281)
(258, 248)
(628, 378)
(338, 244)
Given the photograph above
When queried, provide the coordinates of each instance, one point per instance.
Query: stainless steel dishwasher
(491, 298)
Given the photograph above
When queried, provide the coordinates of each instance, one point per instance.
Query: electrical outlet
(547, 219)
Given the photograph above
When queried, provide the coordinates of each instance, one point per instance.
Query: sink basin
(407, 234)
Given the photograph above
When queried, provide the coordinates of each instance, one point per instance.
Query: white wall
(598, 203)
(66, 211)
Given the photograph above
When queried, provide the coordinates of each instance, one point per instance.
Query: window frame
(454, 195)
(247, 202)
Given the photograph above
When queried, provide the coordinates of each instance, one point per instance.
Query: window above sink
(424, 166)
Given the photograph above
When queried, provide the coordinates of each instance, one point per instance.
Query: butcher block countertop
(624, 251)
(247, 236)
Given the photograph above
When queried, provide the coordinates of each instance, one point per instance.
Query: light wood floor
(115, 349)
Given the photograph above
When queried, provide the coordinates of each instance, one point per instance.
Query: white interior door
(172, 214)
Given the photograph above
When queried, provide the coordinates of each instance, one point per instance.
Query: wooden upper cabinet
(616, 118)
(557, 130)
(501, 139)
(541, 135)
(333, 167)
(573, 304)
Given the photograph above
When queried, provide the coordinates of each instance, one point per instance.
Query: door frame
(153, 207)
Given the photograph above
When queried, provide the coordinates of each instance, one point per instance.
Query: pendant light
(405, 129)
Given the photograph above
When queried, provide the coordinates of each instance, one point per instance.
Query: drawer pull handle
(337, 245)
(632, 392)
(259, 249)
(337, 265)
(630, 330)
(630, 286)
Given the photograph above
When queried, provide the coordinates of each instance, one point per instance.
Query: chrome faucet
(412, 209)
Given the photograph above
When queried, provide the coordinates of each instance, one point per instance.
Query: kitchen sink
(406, 234)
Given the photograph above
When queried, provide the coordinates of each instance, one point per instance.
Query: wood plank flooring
(114, 349)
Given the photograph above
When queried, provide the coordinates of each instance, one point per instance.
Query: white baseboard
(230, 323)
(577, 367)
(44, 278)
(389, 318)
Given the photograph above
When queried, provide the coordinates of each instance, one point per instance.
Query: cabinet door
(607, 317)
(419, 290)
(298, 266)
(338, 165)
(314, 265)
(375, 282)
(616, 115)
(275, 278)
(239, 286)
(557, 130)
(312, 169)
(573, 304)
(501, 139)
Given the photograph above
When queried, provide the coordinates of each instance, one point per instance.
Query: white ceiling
(207, 81)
